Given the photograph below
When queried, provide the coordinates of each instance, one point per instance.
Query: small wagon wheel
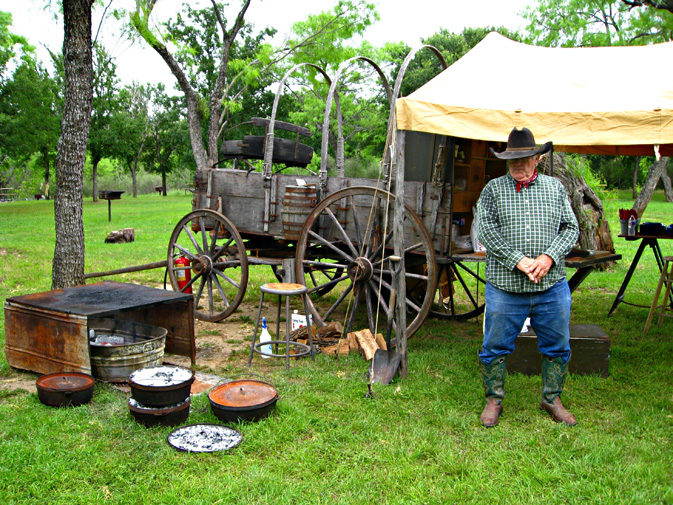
(348, 238)
(460, 291)
(218, 264)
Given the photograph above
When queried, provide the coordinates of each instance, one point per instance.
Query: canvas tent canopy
(598, 100)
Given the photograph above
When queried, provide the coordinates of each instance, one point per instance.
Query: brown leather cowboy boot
(493, 377)
(554, 372)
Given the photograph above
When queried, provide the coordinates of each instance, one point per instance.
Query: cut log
(341, 348)
(302, 333)
(353, 342)
(381, 342)
(121, 236)
(331, 330)
(367, 343)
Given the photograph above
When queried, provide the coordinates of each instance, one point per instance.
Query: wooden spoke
(460, 291)
(348, 237)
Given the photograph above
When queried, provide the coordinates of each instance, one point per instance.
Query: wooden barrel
(298, 202)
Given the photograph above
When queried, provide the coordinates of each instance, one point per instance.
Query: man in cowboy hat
(527, 226)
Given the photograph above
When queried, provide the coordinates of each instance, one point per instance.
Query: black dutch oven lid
(243, 394)
(65, 381)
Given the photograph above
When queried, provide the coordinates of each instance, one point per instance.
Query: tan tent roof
(603, 100)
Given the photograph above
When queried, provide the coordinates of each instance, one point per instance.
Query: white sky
(400, 20)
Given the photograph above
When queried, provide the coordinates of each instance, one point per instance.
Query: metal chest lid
(243, 393)
(65, 381)
(99, 299)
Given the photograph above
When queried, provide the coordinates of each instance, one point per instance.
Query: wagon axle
(203, 266)
(361, 270)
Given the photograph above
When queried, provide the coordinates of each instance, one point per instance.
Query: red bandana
(525, 183)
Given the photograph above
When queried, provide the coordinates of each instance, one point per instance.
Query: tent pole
(397, 169)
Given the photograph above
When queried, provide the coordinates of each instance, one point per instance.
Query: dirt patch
(19, 381)
(221, 344)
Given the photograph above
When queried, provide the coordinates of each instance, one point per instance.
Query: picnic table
(7, 194)
(582, 260)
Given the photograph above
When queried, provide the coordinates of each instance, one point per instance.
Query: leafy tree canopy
(585, 23)
(9, 42)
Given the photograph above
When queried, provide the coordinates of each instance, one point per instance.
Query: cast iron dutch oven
(171, 415)
(242, 400)
(160, 386)
(65, 389)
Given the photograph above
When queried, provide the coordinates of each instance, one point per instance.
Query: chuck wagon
(341, 236)
(335, 234)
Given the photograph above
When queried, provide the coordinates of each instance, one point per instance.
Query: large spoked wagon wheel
(348, 240)
(460, 291)
(216, 266)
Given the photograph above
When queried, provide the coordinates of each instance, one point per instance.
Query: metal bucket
(298, 201)
(117, 348)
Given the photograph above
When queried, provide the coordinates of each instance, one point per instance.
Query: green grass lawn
(418, 440)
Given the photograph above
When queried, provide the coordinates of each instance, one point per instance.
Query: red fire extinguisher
(183, 276)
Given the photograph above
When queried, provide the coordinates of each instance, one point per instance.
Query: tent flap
(581, 105)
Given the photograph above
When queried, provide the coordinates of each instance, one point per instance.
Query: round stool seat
(283, 288)
(287, 290)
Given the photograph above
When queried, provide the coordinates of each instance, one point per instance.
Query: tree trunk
(134, 178)
(636, 173)
(45, 158)
(588, 208)
(653, 176)
(95, 179)
(68, 262)
(134, 165)
(163, 181)
(668, 190)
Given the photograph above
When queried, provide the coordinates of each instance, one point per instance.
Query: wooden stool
(667, 279)
(287, 290)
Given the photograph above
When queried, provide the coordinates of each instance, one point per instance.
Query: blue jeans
(506, 313)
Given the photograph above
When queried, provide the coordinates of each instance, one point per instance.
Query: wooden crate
(590, 352)
(49, 332)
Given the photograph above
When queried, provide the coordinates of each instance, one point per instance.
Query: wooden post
(397, 169)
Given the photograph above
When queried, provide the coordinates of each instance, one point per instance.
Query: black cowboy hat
(521, 144)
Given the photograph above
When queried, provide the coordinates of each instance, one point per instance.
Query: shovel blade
(384, 366)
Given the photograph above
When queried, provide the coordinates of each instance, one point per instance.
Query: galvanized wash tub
(117, 348)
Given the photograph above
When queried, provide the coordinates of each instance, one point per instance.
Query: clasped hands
(536, 268)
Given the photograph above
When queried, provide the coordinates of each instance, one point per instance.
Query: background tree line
(138, 128)
(226, 73)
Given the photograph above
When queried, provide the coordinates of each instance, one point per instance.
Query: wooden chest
(49, 332)
(590, 347)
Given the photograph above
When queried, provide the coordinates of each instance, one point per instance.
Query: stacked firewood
(329, 339)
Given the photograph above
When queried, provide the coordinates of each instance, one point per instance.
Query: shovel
(386, 362)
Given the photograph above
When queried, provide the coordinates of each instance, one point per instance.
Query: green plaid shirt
(537, 220)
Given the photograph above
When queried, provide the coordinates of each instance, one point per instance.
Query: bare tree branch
(216, 104)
